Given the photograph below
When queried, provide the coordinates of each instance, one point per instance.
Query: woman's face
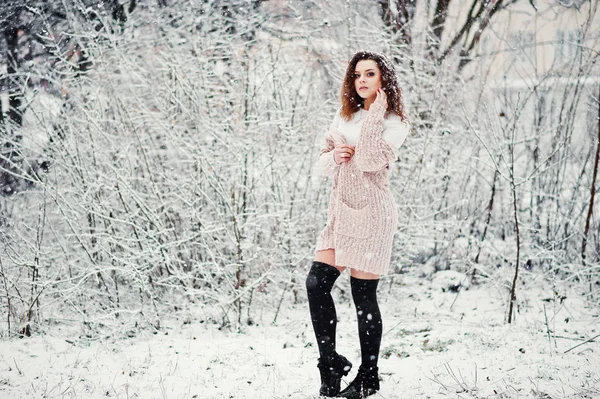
(367, 78)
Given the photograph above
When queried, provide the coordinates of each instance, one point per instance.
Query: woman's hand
(381, 98)
(343, 153)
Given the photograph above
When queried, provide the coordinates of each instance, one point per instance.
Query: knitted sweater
(362, 215)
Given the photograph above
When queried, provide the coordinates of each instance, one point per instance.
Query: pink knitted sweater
(362, 216)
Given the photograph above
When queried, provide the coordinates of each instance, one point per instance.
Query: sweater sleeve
(395, 130)
(373, 152)
(326, 163)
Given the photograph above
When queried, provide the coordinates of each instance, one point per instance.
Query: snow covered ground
(428, 351)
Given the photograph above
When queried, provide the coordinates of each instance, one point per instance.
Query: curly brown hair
(352, 102)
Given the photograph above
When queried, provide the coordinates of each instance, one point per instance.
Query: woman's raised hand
(381, 98)
(343, 153)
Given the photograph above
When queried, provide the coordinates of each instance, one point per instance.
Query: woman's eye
(370, 74)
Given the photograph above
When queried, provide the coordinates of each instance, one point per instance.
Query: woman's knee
(312, 281)
(326, 256)
(364, 291)
(321, 277)
(359, 274)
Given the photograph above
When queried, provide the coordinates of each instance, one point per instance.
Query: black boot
(332, 369)
(370, 328)
(319, 283)
(332, 366)
(365, 384)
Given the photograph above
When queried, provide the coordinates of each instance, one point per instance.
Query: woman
(361, 145)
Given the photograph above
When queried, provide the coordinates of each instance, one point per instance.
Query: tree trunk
(15, 92)
(437, 25)
(386, 13)
(464, 30)
(406, 14)
(592, 194)
(488, 219)
(513, 296)
(399, 26)
(485, 21)
(513, 188)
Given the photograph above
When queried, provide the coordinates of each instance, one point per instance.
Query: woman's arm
(326, 162)
(396, 130)
(373, 152)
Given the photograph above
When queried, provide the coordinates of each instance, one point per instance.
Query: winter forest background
(158, 156)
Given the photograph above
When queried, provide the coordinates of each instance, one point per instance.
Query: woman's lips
(363, 88)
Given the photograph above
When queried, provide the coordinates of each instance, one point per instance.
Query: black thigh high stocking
(319, 283)
(364, 294)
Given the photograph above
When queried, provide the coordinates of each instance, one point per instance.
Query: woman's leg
(319, 283)
(328, 256)
(364, 295)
